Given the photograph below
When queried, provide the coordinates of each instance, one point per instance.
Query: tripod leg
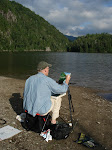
(70, 111)
(70, 98)
(45, 123)
(72, 104)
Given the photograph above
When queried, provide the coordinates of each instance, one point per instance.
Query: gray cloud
(74, 17)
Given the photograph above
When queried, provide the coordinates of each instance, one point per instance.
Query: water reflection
(89, 70)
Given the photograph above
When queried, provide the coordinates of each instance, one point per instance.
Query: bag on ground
(60, 131)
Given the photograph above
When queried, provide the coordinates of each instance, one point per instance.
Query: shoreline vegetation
(24, 51)
(92, 116)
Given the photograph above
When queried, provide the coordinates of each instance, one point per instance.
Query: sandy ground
(92, 116)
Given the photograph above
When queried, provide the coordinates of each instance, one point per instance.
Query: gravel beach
(92, 116)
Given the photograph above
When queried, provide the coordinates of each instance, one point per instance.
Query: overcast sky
(74, 17)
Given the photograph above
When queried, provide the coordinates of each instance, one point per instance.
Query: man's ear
(45, 70)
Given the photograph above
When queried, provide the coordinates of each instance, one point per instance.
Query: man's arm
(58, 88)
(67, 79)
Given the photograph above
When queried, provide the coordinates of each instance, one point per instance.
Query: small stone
(10, 141)
(98, 122)
(70, 124)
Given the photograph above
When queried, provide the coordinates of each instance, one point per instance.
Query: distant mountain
(71, 38)
(21, 29)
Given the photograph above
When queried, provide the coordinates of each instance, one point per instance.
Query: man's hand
(67, 79)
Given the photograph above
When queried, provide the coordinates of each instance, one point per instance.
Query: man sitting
(38, 91)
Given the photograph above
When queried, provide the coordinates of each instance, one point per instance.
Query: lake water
(88, 70)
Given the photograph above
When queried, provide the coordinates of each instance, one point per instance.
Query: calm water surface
(88, 70)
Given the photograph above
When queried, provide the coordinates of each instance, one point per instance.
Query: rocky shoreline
(92, 116)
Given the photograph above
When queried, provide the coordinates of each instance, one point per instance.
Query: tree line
(92, 43)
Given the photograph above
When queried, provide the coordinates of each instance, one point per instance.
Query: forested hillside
(92, 43)
(21, 29)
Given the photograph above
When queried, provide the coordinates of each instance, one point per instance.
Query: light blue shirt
(38, 91)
